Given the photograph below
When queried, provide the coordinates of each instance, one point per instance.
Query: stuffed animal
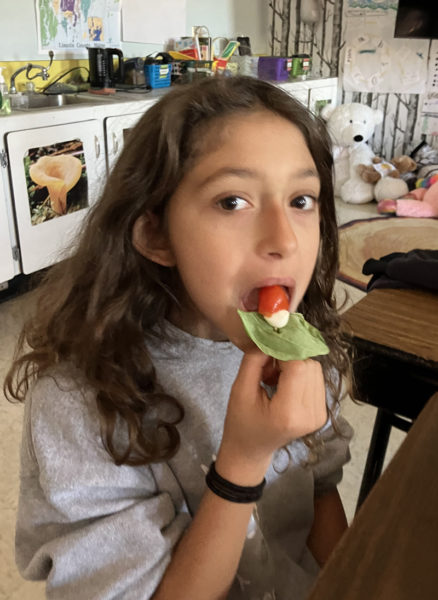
(351, 126)
(426, 181)
(421, 202)
(386, 176)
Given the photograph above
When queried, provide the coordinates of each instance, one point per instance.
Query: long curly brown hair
(93, 309)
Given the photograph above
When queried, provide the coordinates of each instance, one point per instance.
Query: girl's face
(245, 216)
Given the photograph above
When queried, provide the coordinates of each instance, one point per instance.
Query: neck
(191, 321)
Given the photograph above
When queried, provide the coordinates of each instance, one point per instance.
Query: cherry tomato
(272, 299)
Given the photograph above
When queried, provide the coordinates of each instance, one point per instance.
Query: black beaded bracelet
(230, 491)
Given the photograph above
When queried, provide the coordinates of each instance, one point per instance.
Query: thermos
(102, 72)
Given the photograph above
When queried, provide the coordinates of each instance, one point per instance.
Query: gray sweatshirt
(99, 531)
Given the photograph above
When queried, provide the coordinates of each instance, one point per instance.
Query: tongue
(252, 301)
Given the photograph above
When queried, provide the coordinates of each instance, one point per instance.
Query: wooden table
(395, 335)
(390, 551)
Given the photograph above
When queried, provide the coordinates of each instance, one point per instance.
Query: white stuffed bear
(351, 126)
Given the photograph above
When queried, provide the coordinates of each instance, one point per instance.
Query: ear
(151, 242)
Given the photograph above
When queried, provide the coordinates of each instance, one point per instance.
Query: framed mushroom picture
(56, 179)
(56, 174)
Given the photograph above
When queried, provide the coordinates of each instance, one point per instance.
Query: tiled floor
(12, 313)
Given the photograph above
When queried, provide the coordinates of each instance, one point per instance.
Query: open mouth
(251, 300)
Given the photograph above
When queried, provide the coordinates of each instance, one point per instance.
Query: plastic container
(248, 65)
(301, 64)
(274, 68)
(158, 75)
(186, 71)
(5, 104)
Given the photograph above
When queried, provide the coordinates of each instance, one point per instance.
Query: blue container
(158, 76)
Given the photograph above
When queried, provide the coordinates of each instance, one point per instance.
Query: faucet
(12, 88)
(43, 73)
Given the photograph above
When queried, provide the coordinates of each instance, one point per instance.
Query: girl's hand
(256, 426)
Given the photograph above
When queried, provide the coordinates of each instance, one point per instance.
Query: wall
(401, 130)
(19, 42)
(18, 38)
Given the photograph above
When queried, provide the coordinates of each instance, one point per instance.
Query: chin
(243, 342)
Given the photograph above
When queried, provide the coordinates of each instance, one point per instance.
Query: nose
(277, 237)
(358, 138)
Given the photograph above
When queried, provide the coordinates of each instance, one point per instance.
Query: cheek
(309, 257)
(310, 247)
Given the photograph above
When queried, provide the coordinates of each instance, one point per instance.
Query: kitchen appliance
(102, 72)
(134, 72)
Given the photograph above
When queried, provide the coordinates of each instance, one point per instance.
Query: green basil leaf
(298, 340)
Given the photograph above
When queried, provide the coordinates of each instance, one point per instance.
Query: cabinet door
(320, 96)
(297, 89)
(301, 95)
(56, 175)
(7, 270)
(116, 130)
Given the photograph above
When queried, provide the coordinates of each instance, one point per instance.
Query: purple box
(274, 68)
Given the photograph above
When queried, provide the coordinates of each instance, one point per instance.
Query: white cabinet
(313, 93)
(319, 96)
(56, 173)
(301, 94)
(7, 263)
(116, 130)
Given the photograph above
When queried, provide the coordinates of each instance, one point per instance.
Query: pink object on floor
(387, 207)
(421, 202)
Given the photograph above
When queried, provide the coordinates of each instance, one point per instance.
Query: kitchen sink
(38, 101)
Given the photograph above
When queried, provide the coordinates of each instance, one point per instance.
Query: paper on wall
(69, 27)
(375, 61)
(149, 21)
(430, 103)
(430, 125)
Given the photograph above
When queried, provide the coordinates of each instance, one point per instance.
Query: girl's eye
(304, 202)
(232, 203)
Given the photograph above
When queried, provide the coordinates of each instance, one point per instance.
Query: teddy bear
(386, 176)
(421, 202)
(350, 127)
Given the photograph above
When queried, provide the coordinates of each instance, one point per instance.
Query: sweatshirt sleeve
(91, 528)
(334, 451)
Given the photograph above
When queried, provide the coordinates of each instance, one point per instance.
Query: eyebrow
(225, 171)
(248, 173)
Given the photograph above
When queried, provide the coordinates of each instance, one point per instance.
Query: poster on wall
(375, 61)
(430, 103)
(56, 180)
(68, 27)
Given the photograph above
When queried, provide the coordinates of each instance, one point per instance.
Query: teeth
(279, 319)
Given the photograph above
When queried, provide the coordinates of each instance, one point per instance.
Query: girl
(139, 373)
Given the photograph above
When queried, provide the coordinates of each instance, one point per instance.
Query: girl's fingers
(270, 372)
(302, 382)
(295, 376)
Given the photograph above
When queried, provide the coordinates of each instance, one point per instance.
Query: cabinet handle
(115, 143)
(96, 146)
